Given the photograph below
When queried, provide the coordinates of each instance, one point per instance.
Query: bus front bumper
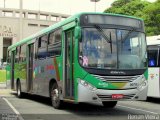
(100, 95)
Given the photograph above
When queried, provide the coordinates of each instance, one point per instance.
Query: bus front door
(30, 68)
(12, 69)
(68, 64)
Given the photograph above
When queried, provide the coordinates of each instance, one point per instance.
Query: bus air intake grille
(117, 78)
(109, 97)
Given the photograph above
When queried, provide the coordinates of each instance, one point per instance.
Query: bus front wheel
(109, 104)
(55, 97)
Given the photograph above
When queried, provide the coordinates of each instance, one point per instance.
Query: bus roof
(61, 23)
(153, 40)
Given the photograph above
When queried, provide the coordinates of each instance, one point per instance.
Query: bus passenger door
(30, 68)
(12, 68)
(68, 64)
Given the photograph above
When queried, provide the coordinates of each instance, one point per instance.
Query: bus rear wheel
(109, 104)
(55, 97)
(19, 92)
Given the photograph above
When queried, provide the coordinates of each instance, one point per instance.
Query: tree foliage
(150, 12)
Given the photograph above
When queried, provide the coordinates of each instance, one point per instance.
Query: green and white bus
(89, 57)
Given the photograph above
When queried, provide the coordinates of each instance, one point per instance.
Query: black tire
(55, 97)
(109, 104)
(19, 92)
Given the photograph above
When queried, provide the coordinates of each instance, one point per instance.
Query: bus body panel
(135, 90)
(22, 75)
(154, 82)
(44, 71)
(100, 95)
(113, 82)
(153, 45)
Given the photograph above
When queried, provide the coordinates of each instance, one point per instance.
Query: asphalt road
(39, 108)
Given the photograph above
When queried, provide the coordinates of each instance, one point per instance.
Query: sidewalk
(3, 86)
(5, 90)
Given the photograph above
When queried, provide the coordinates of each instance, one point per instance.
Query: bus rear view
(112, 51)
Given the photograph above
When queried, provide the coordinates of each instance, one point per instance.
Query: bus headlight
(142, 84)
(87, 85)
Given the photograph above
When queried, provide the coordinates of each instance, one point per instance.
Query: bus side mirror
(77, 32)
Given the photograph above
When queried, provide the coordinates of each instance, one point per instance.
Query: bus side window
(36, 48)
(9, 57)
(17, 54)
(42, 47)
(54, 43)
(153, 57)
(23, 53)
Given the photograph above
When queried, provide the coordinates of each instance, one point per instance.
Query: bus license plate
(117, 96)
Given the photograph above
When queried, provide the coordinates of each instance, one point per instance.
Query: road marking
(137, 109)
(13, 108)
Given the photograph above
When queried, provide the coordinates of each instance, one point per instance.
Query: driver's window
(135, 46)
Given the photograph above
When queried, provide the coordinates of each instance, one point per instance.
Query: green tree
(152, 18)
(150, 12)
(128, 7)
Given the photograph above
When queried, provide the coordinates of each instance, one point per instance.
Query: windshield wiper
(108, 39)
(127, 34)
(100, 30)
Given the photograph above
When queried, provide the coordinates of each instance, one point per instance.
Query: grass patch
(2, 75)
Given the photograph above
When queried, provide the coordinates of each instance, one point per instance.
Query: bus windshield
(105, 48)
